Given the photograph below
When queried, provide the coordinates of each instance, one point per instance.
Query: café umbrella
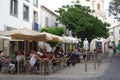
(47, 37)
(27, 34)
(23, 33)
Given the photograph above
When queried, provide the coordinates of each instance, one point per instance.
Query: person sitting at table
(20, 58)
(69, 61)
(45, 55)
(39, 52)
(31, 53)
(54, 61)
(51, 57)
(34, 60)
(6, 62)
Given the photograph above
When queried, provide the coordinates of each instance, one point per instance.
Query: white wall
(51, 18)
(93, 44)
(117, 35)
(102, 14)
(7, 20)
(16, 22)
(115, 28)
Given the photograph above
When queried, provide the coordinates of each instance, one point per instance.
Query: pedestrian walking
(84, 54)
(73, 57)
(114, 50)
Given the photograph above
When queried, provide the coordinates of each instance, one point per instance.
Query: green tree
(114, 7)
(54, 30)
(79, 19)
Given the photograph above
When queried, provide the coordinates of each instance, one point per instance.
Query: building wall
(17, 22)
(100, 13)
(51, 17)
(117, 35)
(114, 34)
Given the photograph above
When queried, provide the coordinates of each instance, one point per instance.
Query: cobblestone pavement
(109, 70)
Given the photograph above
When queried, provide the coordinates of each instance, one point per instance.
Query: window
(27, 0)
(26, 13)
(14, 7)
(46, 21)
(98, 7)
(35, 16)
(119, 31)
(35, 3)
(111, 33)
(56, 24)
(119, 42)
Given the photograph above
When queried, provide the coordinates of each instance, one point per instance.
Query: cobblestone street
(109, 70)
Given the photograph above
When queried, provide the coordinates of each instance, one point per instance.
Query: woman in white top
(33, 60)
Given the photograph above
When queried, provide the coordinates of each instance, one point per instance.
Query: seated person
(19, 58)
(69, 61)
(34, 60)
(40, 53)
(31, 52)
(54, 61)
(44, 55)
(51, 57)
(6, 62)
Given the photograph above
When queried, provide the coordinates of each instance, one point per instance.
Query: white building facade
(48, 18)
(16, 14)
(99, 6)
(23, 14)
(114, 38)
(19, 14)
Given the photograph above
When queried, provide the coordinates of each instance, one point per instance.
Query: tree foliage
(54, 30)
(79, 19)
(114, 7)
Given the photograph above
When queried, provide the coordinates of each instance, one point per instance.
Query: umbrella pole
(44, 47)
(25, 48)
(18, 71)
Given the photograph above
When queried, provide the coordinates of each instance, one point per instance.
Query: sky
(55, 4)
